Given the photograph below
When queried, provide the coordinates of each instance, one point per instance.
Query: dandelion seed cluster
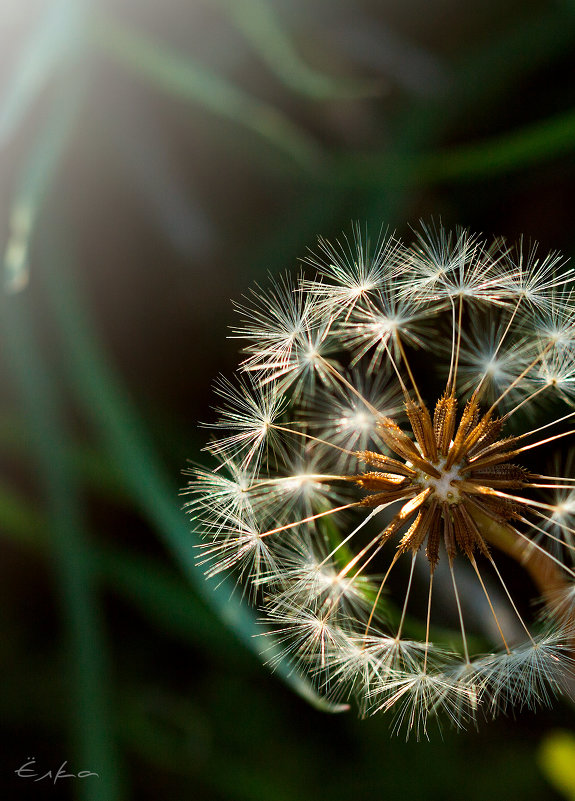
(380, 488)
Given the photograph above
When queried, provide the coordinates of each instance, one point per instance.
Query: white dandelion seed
(214, 490)
(237, 544)
(350, 420)
(249, 412)
(374, 327)
(533, 278)
(288, 346)
(529, 675)
(557, 370)
(351, 271)
(454, 266)
(554, 320)
(308, 637)
(414, 698)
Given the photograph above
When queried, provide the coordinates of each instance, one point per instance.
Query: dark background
(157, 159)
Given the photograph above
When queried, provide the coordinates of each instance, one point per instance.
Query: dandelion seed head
(383, 446)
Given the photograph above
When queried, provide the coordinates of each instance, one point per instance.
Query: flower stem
(549, 578)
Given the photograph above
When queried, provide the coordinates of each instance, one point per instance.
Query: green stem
(550, 580)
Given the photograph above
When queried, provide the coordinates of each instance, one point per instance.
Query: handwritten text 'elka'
(29, 771)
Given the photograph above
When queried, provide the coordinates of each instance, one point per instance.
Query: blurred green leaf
(487, 73)
(516, 150)
(86, 655)
(499, 155)
(165, 599)
(88, 462)
(262, 27)
(20, 521)
(182, 77)
(478, 79)
(557, 761)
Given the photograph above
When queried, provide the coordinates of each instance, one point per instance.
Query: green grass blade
(89, 702)
(262, 27)
(184, 78)
(488, 73)
(34, 182)
(477, 82)
(499, 155)
(514, 151)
